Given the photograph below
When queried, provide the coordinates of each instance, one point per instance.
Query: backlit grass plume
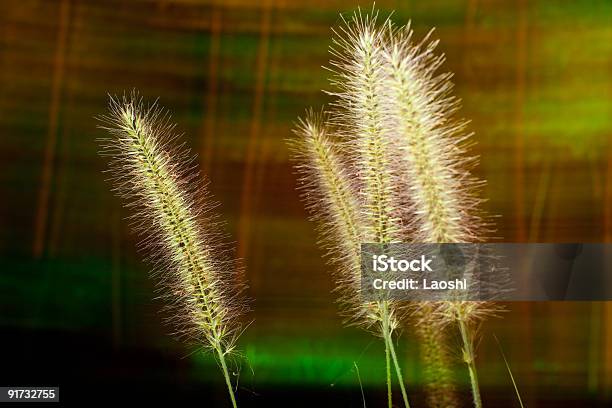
(172, 213)
(390, 163)
(332, 199)
(435, 170)
(330, 196)
(360, 209)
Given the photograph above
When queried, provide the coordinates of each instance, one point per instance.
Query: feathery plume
(332, 199)
(330, 196)
(407, 157)
(172, 213)
(433, 145)
(360, 80)
(362, 210)
(436, 169)
(359, 114)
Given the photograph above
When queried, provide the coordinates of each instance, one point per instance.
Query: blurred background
(77, 308)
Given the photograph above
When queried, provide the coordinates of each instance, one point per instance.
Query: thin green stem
(468, 357)
(385, 328)
(390, 354)
(226, 375)
(388, 362)
(398, 371)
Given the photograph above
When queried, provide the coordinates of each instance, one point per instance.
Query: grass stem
(398, 372)
(388, 364)
(160, 183)
(228, 382)
(468, 357)
(390, 352)
(386, 333)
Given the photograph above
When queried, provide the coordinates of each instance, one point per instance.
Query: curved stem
(226, 375)
(468, 357)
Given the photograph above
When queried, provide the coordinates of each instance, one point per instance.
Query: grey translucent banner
(482, 272)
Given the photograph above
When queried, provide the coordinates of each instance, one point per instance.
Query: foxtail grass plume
(332, 198)
(172, 212)
(418, 104)
(359, 117)
(330, 195)
(396, 168)
(435, 168)
(362, 208)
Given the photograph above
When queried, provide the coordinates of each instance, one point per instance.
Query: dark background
(76, 305)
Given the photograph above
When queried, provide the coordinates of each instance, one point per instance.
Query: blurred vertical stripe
(52, 130)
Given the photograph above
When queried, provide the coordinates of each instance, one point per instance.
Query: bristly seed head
(398, 149)
(172, 213)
